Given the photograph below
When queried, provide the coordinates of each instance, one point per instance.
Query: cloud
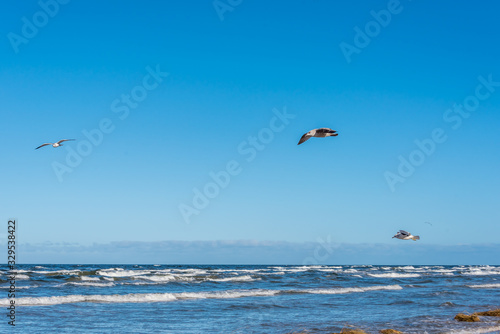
(255, 252)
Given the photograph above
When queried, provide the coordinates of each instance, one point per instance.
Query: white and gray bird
(403, 235)
(53, 144)
(321, 132)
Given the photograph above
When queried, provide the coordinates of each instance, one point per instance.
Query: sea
(248, 298)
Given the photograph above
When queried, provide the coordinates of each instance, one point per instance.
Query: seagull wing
(43, 145)
(325, 132)
(60, 141)
(406, 234)
(304, 138)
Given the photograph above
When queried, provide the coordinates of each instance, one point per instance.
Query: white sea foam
(393, 275)
(245, 278)
(407, 267)
(296, 269)
(97, 284)
(351, 290)
(120, 272)
(476, 272)
(161, 271)
(17, 287)
(138, 283)
(22, 277)
(163, 278)
(138, 297)
(89, 278)
(491, 329)
(32, 301)
(58, 272)
(485, 286)
(263, 273)
(190, 272)
(443, 271)
(329, 270)
(459, 268)
(238, 271)
(226, 294)
(259, 272)
(168, 297)
(275, 273)
(223, 270)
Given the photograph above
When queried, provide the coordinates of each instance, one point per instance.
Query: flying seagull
(53, 144)
(321, 132)
(403, 235)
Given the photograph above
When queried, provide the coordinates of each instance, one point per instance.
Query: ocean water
(249, 299)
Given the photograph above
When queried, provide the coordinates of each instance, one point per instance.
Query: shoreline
(465, 319)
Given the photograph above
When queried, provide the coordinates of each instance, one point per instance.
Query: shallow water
(250, 299)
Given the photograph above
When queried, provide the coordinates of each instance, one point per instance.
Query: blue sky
(227, 81)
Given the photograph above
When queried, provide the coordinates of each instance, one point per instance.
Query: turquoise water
(249, 299)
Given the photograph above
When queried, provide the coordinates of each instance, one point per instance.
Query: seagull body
(53, 144)
(321, 132)
(403, 235)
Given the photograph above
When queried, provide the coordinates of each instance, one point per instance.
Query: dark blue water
(249, 299)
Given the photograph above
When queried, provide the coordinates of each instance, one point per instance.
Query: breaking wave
(169, 297)
(394, 275)
(485, 286)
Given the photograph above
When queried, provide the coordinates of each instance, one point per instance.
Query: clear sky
(172, 91)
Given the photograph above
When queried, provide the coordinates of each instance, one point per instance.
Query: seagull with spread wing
(321, 132)
(53, 144)
(403, 235)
